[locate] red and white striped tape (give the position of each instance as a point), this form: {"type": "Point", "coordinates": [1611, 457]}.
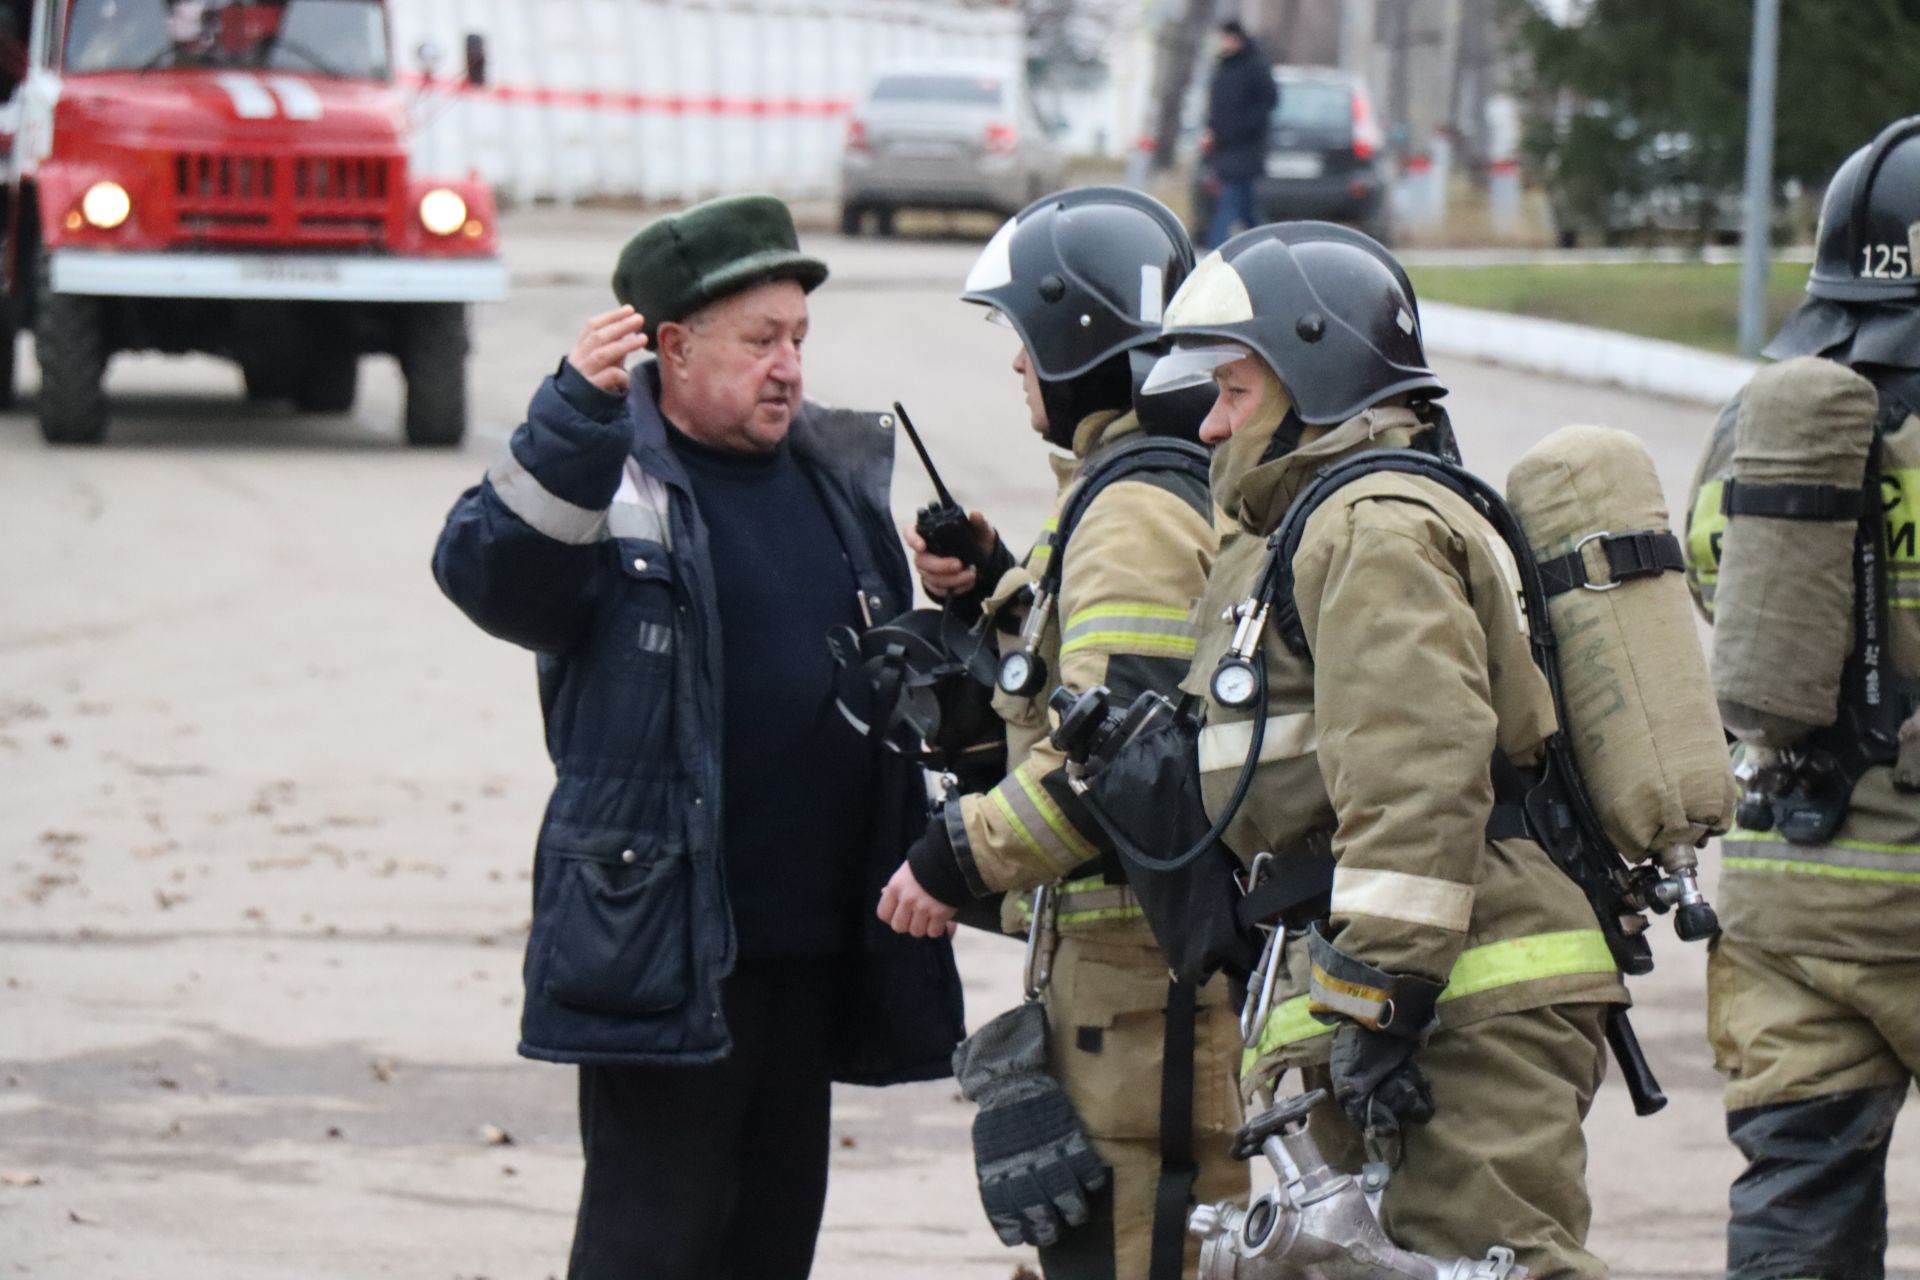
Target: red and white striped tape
{"type": "Point", "coordinates": [633, 103]}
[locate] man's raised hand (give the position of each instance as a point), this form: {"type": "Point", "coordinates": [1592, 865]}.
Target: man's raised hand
{"type": "Point", "coordinates": [605, 346]}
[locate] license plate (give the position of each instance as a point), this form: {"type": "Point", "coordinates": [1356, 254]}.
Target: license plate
{"type": "Point", "coordinates": [290, 270]}
{"type": "Point", "coordinates": [1293, 164]}
{"type": "Point", "coordinates": [924, 150]}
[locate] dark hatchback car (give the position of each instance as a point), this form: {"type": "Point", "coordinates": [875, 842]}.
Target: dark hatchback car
{"type": "Point", "coordinates": [1323, 156]}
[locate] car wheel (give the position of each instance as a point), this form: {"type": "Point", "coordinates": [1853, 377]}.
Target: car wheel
{"type": "Point", "coordinates": [433, 356]}
{"type": "Point", "coordinates": [883, 217]}
{"type": "Point", "coordinates": [851, 216]}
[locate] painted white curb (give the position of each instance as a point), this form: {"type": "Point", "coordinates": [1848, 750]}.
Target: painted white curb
{"type": "Point", "coordinates": [1584, 354]}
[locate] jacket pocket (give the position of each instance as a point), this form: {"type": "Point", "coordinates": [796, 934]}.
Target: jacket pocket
{"type": "Point", "coordinates": [644, 631]}
{"type": "Point", "coordinates": [621, 934]}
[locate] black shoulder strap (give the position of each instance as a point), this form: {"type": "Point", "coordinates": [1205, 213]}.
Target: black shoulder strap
{"type": "Point", "coordinates": [1284, 542]}
{"type": "Point", "coordinates": [1179, 1171]}
{"type": "Point", "coordinates": [1124, 461]}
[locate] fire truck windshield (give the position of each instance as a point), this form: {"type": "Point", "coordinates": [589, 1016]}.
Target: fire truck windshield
{"type": "Point", "coordinates": [346, 39]}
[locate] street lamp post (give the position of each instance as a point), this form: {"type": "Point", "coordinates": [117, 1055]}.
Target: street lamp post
{"type": "Point", "coordinates": [1759, 217]}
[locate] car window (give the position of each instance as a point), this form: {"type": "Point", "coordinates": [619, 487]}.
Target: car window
{"type": "Point", "coordinates": [323, 37]}
{"type": "Point", "coordinates": [1313, 104]}
{"type": "Point", "coordinates": [973, 91]}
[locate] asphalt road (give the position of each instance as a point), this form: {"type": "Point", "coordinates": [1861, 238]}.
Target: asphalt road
{"type": "Point", "coordinates": [267, 801]}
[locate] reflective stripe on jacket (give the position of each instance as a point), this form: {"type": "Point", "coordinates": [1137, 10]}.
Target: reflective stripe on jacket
{"type": "Point", "coordinates": [1133, 567]}
{"type": "Point", "coordinates": [1857, 897]}
{"type": "Point", "coordinates": [1385, 736]}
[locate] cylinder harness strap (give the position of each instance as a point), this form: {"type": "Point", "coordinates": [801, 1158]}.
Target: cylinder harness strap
{"type": "Point", "coordinates": [1646, 553]}
{"type": "Point", "coordinates": [1791, 501]}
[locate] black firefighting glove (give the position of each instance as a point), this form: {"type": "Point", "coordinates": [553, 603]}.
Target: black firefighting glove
{"type": "Point", "coordinates": [1036, 1166]}
{"type": "Point", "coordinates": [1382, 1020]}
{"type": "Point", "coordinates": [1377, 1082]}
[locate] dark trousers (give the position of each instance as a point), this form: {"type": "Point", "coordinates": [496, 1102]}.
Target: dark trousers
{"type": "Point", "coordinates": [1232, 207]}
{"type": "Point", "coordinates": [715, 1172]}
{"type": "Point", "coordinates": [1812, 1200]}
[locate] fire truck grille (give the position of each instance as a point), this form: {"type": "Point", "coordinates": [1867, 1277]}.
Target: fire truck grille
{"type": "Point", "coordinates": [319, 200]}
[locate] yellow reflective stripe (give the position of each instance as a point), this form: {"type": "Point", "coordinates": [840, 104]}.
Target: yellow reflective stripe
{"type": "Point", "coordinates": [1704, 531]}
{"type": "Point", "coordinates": [1839, 859]}
{"type": "Point", "coordinates": [1132, 625]}
{"type": "Point", "coordinates": [1042, 549]}
{"type": "Point", "coordinates": [1071, 838]}
{"type": "Point", "coordinates": [1542, 955]}
{"type": "Point", "coordinates": [1166, 612]}
{"type": "Point", "coordinates": [1071, 889]}
{"type": "Point", "coordinates": [1819, 869]}
{"type": "Point", "coordinates": [1287, 1023]}
{"type": "Point", "coordinates": [1741, 835]}
{"type": "Point", "coordinates": [1013, 819]}
{"type": "Point", "coordinates": [1479, 969]}
{"type": "Point", "coordinates": [1100, 914]}
{"type": "Point", "coordinates": [1044, 826]}
{"type": "Point", "coordinates": [1143, 643]}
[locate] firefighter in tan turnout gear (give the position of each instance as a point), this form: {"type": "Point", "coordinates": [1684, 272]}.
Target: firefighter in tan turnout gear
{"type": "Point", "coordinates": [1802, 550]}
{"type": "Point", "coordinates": [1102, 598]}
{"type": "Point", "coordinates": [1454, 991]}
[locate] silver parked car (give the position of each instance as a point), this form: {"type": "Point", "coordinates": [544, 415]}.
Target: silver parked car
{"type": "Point", "coordinates": [945, 135]}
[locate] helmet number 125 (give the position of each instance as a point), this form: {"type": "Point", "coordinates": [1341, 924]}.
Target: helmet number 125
{"type": "Point", "coordinates": [1886, 262]}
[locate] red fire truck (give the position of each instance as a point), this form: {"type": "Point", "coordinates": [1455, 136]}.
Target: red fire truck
{"type": "Point", "coordinates": [229, 177]}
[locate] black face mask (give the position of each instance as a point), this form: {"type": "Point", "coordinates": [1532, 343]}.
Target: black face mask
{"type": "Point", "coordinates": [1106, 387]}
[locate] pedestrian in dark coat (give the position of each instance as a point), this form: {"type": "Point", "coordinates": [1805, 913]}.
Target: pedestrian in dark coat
{"type": "Point", "coordinates": [674, 543]}
{"type": "Point", "coordinates": [1240, 104]}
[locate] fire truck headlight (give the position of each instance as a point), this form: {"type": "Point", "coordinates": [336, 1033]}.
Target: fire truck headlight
{"type": "Point", "coordinates": [106, 205]}
{"type": "Point", "coordinates": [442, 212]}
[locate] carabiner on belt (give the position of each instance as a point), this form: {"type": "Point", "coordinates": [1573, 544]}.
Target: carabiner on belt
{"type": "Point", "coordinates": [1253, 1013]}
{"type": "Point", "coordinates": [1040, 941]}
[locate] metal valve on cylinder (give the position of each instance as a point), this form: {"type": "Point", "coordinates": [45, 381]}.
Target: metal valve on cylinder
{"type": "Point", "coordinates": [1316, 1223]}
{"type": "Point", "coordinates": [1694, 919]}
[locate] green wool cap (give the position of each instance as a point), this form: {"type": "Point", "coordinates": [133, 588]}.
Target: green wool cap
{"type": "Point", "coordinates": [679, 264]}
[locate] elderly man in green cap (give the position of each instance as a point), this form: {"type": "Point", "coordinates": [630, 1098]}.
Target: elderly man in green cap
{"type": "Point", "coordinates": [673, 541]}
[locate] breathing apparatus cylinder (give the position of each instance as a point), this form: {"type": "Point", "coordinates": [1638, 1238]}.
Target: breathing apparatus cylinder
{"type": "Point", "coordinates": [1642, 722]}
{"type": "Point", "coordinates": [1783, 608]}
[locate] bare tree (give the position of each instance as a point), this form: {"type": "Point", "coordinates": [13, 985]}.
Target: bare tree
{"type": "Point", "coordinates": [1178, 50]}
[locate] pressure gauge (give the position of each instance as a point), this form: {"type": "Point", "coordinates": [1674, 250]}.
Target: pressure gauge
{"type": "Point", "coordinates": [1022, 673]}
{"type": "Point", "coordinates": [1235, 683]}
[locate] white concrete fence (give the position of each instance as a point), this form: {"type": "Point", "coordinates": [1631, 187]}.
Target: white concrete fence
{"type": "Point", "coordinates": [666, 99]}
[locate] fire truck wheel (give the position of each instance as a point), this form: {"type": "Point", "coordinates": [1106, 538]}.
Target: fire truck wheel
{"type": "Point", "coordinates": [266, 381]}
{"type": "Point", "coordinates": [329, 385]}
{"type": "Point", "coordinates": [433, 356]}
{"type": "Point", "coordinates": [73, 363]}
{"type": "Point", "coordinates": [9, 345]}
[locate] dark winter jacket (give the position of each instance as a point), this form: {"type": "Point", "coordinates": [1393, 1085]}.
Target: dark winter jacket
{"type": "Point", "coordinates": [584, 544]}
{"type": "Point", "coordinates": [1240, 107]}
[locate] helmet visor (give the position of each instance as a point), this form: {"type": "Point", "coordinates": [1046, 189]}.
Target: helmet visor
{"type": "Point", "coordinates": [1185, 367]}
